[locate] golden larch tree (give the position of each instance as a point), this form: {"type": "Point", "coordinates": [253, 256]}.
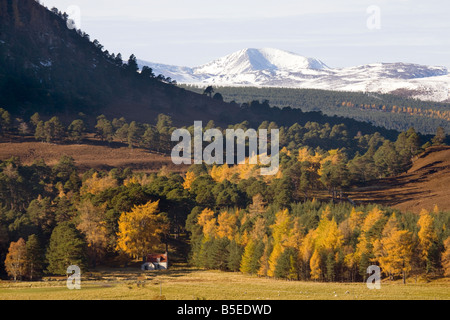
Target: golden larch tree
{"type": "Point", "coordinates": [264, 260]}
{"type": "Point", "coordinates": [394, 251]}
{"type": "Point", "coordinates": [188, 180]}
{"type": "Point", "coordinates": [227, 224]}
{"type": "Point", "coordinates": [366, 239]}
{"type": "Point", "coordinates": [208, 222]}
{"type": "Point", "coordinates": [247, 256]}
{"type": "Point", "coordinates": [306, 251]}
{"type": "Point", "coordinates": [446, 258]}
{"type": "Point", "coordinates": [280, 233]}
{"type": "Point", "coordinates": [96, 184]}
{"type": "Point", "coordinates": [314, 264]}
{"type": "Point", "coordinates": [427, 235]}
{"type": "Point", "coordinates": [141, 229]}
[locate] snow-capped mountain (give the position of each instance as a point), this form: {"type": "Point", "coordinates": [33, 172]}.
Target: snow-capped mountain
{"type": "Point", "coordinates": [254, 60]}
{"type": "Point", "coordinates": [276, 68]}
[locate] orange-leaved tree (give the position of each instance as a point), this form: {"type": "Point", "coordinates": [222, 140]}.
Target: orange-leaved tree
{"type": "Point", "coordinates": [15, 262]}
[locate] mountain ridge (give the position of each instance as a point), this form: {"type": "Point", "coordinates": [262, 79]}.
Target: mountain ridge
{"type": "Point", "coordinates": [270, 67]}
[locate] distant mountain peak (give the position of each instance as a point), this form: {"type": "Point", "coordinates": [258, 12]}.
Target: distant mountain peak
{"type": "Point", "coordinates": [269, 67]}
{"type": "Point", "coordinates": [252, 60]}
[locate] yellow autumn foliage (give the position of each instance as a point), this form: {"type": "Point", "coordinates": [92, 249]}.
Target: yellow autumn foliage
{"type": "Point", "coordinates": [140, 230]}
{"type": "Point", "coordinates": [188, 180]}
{"type": "Point", "coordinates": [96, 184]}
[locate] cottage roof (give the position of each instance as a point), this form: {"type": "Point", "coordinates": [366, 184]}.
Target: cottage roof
{"type": "Point", "coordinates": [157, 258]}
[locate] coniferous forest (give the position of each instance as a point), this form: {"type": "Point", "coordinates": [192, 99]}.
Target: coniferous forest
{"type": "Point", "coordinates": [383, 110]}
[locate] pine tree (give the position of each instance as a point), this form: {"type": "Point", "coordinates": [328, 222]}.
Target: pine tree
{"type": "Point", "coordinates": [76, 130]}
{"type": "Point", "coordinates": [41, 214]}
{"type": "Point", "coordinates": [122, 133]}
{"type": "Point", "coordinates": [330, 266]}
{"type": "Point", "coordinates": [132, 65]}
{"type": "Point", "coordinates": [104, 128]}
{"type": "Point", "coordinates": [219, 255]}
{"type": "Point", "coordinates": [5, 121]}
{"type": "Point", "coordinates": [134, 134]}
{"type": "Point", "coordinates": [67, 247]}
{"type": "Point", "coordinates": [35, 258]}
{"type": "Point", "coordinates": [39, 133]}
{"type": "Point", "coordinates": [53, 130]}
{"type": "Point", "coordinates": [235, 253]}
{"type": "Point", "coordinates": [147, 72]}
{"type": "Point", "coordinates": [35, 119]}
{"type": "Point", "coordinates": [151, 139]}
{"type": "Point", "coordinates": [440, 137]}
{"type": "Point", "coordinates": [287, 266]}
{"type": "Point", "coordinates": [74, 183]}
{"type": "Point", "coordinates": [209, 91]}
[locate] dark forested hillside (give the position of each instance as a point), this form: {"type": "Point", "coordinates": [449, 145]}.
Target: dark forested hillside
{"type": "Point", "coordinates": [49, 68]}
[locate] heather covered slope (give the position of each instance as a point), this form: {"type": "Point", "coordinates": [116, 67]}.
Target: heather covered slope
{"type": "Point", "coordinates": [424, 186]}
{"type": "Point", "coordinates": [90, 155]}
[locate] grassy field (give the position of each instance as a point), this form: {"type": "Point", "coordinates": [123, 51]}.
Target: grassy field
{"type": "Point", "coordinates": [190, 284]}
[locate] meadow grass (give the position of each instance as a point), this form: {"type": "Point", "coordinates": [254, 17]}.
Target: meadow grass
{"type": "Point", "coordinates": [192, 284]}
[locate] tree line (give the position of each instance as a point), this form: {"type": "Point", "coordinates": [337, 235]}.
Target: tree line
{"type": "Point", "coordinates": [384, 110]}
{"type": "Point", "coordinates": [319, 241]}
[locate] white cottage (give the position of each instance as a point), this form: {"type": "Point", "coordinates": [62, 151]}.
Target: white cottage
{"type": "Point", "coordinates": [156, 262]}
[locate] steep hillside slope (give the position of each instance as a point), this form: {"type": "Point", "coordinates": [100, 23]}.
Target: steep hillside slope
{"type": "Point", "coordinates": [425, 185]}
